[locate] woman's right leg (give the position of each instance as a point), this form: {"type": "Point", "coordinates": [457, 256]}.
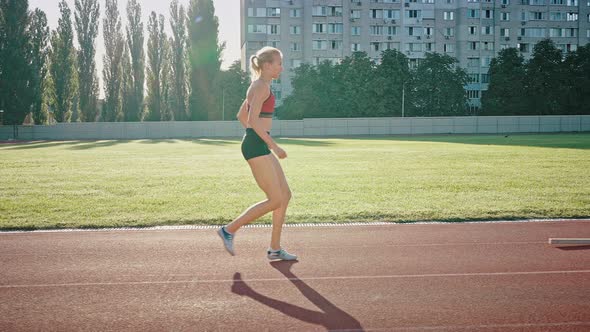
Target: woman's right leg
{"type": "Point", "coordinates": [263, 170]}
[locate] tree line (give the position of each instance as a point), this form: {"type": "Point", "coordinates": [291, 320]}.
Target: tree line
{"type": "Point", "coordinates": [548, 83]}
{"type": "Point", "coordinates": [44, 74]}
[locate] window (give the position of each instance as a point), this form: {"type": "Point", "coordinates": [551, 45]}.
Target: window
{"type": "Point", "coordinates": [391, 14]}
{"type": "Point", "coordinates": [413, 31]}
{"type": "Point", "coordinates": [472, 46]}
{"type": "Point", "coordinates": [376, 13]}
{"type": "Point", "coordinates": [571, 32]}
{"type": "Point", "coordinates": [505, 16]}
{"type": "Point", "coordinates": [335, 28]}
{"type": "Point", "coordinates": [355, 47]}
{"type": "Point", "coordinates": [336, 44]}
{"type": "Point", "coordinates": [533, 32]}
{"type": "Point", "coordinates": [355, 31]}
{"type": "Point", "coordinates": [295, 47]}
{"type": "Point", "coordinates": [375, 46]}
{"type": "Point", "coordinates": [256, 28]}
{"type": "Point", "coordinates": [319, 11]}
{"type": "Point", "coordinates": [274, 29]}
{"type": "Point", "coordinates": [295, 13]}
{"type": "Point", "coordinates": [259, 12]}
{"type": "Point", "coordinates": [556, 16]}
{"type": "Point", "coordinates": [428, 31]}
{"type": "Point", "coordinates": [414, 13]}
{"type": "Point", "coordinates": [554, 32]}
{"type": "Point", "coordinates": [355, 13]}
{"type": "Point", "coordinates": [473, 62]}
{"type": "Point", "coordinates": [505, 2]}
{"type": "Point", "coordinates": [391, 31]}
{"type": "Point", "coordinates": [572, 17]}
{"type": "Point", "coordinates": [295, 63]}
{"type": "Point", "coordinates": [448, 16]}
{"type": "Point", "coordinates": [273, 12]}
{"type": "Point", "coordinates": [449, 48]}
{"type": "Point", "coordinates": [319, 45]}
{"type": "Point", "coordinates": [556, 2]}
{"type": "Point", "coordinates": [295, 30]}
{"type": "Point", "coordinates": [504, 32]}
{"type": "Point", "coordinates": [414, 47]}
{"type": "Point", "coordinates": [573, 3]}
{"type": "Point", "coordinates": [376, 30]}
{"type": "Point", "coordinates": [273, 43]}
{"type": "Point", "coordinates": [473, 30]}
{"type": "Point", "coordinates": [473, 94]}
{"type": "Point", "coordinates": [487, 30]}
{"type": "Point", "coordinates": [488, 13]}
{"type": "Point", "coordinates": [473, 13]}
{"type": "Point", "coordinates": [335, 11]}
{"type": "Point", "coordinates": [449, 32]}
{"type": "Point", "coordinates": [473, 78]}
{"type": "Point", "coordinates": [428, 47]}
{"type": "Point", "coordinates": [537, 16]}
{"type": "Point", "coordinates": [488, 46]}
{"type": "Point", "coordinates": [485, 78]}
{"type": "Point", "coordinates": [318, 28]}
{"type": "Point", "coordinates": [523, 47]}
{"type": "Point", "coordinates": [485, 61]}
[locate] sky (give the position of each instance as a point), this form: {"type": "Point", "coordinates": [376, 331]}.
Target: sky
{"type": "Point", "coordinates": [228, 12]}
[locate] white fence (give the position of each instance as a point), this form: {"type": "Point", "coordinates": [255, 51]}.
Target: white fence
{"type": "Point", "coordinates": [303, 128]}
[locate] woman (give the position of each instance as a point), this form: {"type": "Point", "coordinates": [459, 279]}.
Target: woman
{"type": "Point", "coordinates": [256, 116]}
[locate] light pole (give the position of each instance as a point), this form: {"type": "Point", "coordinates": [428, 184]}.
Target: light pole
{"type": "Point", "coordinates": [223, 104]}
{"type": "Point", "coordinates": [403, 97]}
{"type": "Point", "coordinates": [1, 117]}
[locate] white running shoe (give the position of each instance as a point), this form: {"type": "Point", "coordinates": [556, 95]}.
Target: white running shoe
{"type": "Point", "coordinates": [281, 254]}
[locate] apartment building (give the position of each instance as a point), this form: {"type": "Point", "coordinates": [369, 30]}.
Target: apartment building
{"type": "Point", "coordinates": [473, 31]}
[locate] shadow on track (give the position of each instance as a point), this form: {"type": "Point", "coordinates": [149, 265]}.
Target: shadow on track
{"type": "Point", "coordinates": [331, 317]}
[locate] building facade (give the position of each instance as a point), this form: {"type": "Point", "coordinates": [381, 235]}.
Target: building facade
{"type": "Point", "coordinates": [473, 31]}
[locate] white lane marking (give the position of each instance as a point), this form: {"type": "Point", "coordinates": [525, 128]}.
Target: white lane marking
{"type": "Point", "coordinates": [471, 327]}
{"type": "Point", "coordinates": [450, 244]}
{"type": "Point", "coordinates": [199, 227]}
{"type": "Point", "coordinates": [204, 281]}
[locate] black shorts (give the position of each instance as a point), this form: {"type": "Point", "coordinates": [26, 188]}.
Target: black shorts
{"type": "Point", "coordinates": [253, 146]}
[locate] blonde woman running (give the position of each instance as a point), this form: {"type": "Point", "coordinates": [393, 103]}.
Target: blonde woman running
{"type": "Point", "coordinates": [256, 116]}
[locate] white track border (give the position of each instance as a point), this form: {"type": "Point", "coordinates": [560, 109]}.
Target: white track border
{"type": "Point", "coordinates": [352, 224]}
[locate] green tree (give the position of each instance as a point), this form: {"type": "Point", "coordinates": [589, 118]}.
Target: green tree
{"type": "Point", "coordinates": [156, 56]}
{"type": "Point", "coordinates": [357, 74]}
{"type": "Point", "coordinates": [135, 46]}
{"type": "Point", "coordinates": [39, 33]}
{"type": "Point", "coordinates": [303, 96]}
{"type": "Point", "coordinates": [230, 92]}
{"type": "Point", "coordinates": [15, 65]}
{"type": "Point", "coordinates": [438, 87]}
{"type": "Point", "coordinates": [86, 18]}
{"type": "Point", "coordinates": [62, 65]}
{"type": "Point", "coordinates": [112, 76]}
{"type": "Point", "coordinates": [506, 89]}
{"type": "Point", "coordinates": [577, 82]}
{"type": "Point", "coordinates": [127, 91]}
{"type": "Point", "coordinates": [392, 77]}
{"type": "Point", "coordinates": [205, 59]}
{"type": "Point", "coordinates": [544, 79]}
{"type": "Point", "coordinates": [179, 90]}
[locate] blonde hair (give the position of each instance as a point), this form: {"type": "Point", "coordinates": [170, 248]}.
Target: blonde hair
{"type": "Point", "coordinates": [264, 55]}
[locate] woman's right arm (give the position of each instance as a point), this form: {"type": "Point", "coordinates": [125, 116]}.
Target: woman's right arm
{"type": "Point", "coordinates": [242, 114]}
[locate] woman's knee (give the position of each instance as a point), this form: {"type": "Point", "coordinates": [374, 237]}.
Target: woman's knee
{"type": "Point", "coordinates": [275, 202]}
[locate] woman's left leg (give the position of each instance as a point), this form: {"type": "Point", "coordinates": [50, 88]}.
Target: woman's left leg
{"type": "Point", "coordinates": [278, 215]}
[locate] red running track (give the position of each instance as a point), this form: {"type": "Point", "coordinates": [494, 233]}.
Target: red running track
{"type": "Point", "coordinates": [416, 277]}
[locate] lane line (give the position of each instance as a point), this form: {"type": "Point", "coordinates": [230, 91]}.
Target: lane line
{"type": "Point", "coordinates": [352, 224]}
{"type": "Point", "coordinates": [209, 281]}
{"type": "Point", "coordinates": [450, 244]}
{"type": "Point", "coordinates": [472, 327]}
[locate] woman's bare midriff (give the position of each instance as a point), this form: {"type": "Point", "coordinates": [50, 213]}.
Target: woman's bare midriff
{"type": "Point", "coordinates": [266, 123]}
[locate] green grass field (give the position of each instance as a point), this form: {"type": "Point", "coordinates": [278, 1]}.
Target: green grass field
{"type": "Point", "coordinates": [79, 184]}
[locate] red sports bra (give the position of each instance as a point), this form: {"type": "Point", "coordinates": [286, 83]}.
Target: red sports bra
{"type": "Point", "coordinates": [268, 107]}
